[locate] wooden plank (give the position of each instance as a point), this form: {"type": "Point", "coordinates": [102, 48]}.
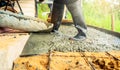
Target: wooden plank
{"type": "Point", "coordinates": [11, 45]}
{"type": "Point", "coordinates": [63, 21]}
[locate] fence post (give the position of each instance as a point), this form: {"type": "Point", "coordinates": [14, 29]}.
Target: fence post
{"type": "Point", "coordinates": [112, 22]}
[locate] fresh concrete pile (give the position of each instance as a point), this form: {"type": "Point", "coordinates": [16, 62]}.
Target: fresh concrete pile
{"type": "Point", "coordinates": [24, 23]}
{"type": "Point", "coordinates": [97, 41]}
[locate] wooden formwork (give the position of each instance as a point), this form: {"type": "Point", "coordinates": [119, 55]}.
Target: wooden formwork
{"type": "Point", "coordinates": [11, 46]}
{"type": "Point", "coordinates": [63, 21]}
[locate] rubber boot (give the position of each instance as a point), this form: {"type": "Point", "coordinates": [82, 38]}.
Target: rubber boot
{"type": "Point", "coordinates": [57, 14]}
{"type": "Point", "coordinates": [78, 20]}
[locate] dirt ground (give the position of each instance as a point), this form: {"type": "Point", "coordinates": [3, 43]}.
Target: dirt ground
{"type": "Point", "coordinates": [96, 41]}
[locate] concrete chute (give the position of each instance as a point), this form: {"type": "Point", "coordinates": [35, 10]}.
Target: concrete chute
{"type": "Point", "coordinates": [24, 23]}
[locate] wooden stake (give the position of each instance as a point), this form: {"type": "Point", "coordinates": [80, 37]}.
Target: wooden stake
{"type": "Point", "coordinates": [112, 22]}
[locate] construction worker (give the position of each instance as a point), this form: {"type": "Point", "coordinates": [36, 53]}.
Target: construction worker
{"type": "Point", "coordinates": [74, 6]}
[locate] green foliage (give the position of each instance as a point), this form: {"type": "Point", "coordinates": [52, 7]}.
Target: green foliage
{"type": "Point", "coordinates": [117, 23]}
{"type": "Point", "coordinates": [98, 13]}
{"type": "Point", "coordinates": [43, 11]}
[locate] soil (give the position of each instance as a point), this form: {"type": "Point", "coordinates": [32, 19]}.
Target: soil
{"type": "Point", "coordinates": [68, 61]}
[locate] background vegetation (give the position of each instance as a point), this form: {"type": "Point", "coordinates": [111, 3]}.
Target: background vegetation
{"type": "Point", "coordinates": [100, 13]}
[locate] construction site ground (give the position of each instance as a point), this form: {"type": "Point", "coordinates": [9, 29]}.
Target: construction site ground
{"type": "Point", "coordinates": [70, 61]}
{"type": "Point", "coordinates": [97, 41]}
{"type": "Point", "coordinates": [54, 51]}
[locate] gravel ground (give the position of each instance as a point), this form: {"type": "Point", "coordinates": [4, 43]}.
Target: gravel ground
{"type": "Point", "coordinates": [96, 41]}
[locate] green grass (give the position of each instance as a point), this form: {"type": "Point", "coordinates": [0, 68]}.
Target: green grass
{"type": "Point", "coordinates": [117, 25]}
{"type": "Point", "coordinates": [99, 22]}
{"type": "Point", "coordinates": [103, 22]}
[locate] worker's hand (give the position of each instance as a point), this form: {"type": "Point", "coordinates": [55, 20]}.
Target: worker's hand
{"type": "Point", "coordinates": [41, 0]}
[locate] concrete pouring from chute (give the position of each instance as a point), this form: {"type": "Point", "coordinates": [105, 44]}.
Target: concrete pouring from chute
{"type": "Point", "coordinates": [24, 23]}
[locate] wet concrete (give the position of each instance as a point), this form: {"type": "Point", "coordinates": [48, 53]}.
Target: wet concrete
{"type": "Point", "coordinates": [97, 41]}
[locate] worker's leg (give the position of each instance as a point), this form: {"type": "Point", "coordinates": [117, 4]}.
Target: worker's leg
{"type": "Point", "coordinates": [50, 5]}
{"type": "Point", "coordinates": [78, 19]}
{"type": "Point", "coordinates": [57, 14]}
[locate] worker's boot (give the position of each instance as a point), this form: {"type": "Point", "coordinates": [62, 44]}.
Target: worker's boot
{"type": "Point", "coordinates": [57, 14]}
{"type": "Point", "coordinates": [78, 19]}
